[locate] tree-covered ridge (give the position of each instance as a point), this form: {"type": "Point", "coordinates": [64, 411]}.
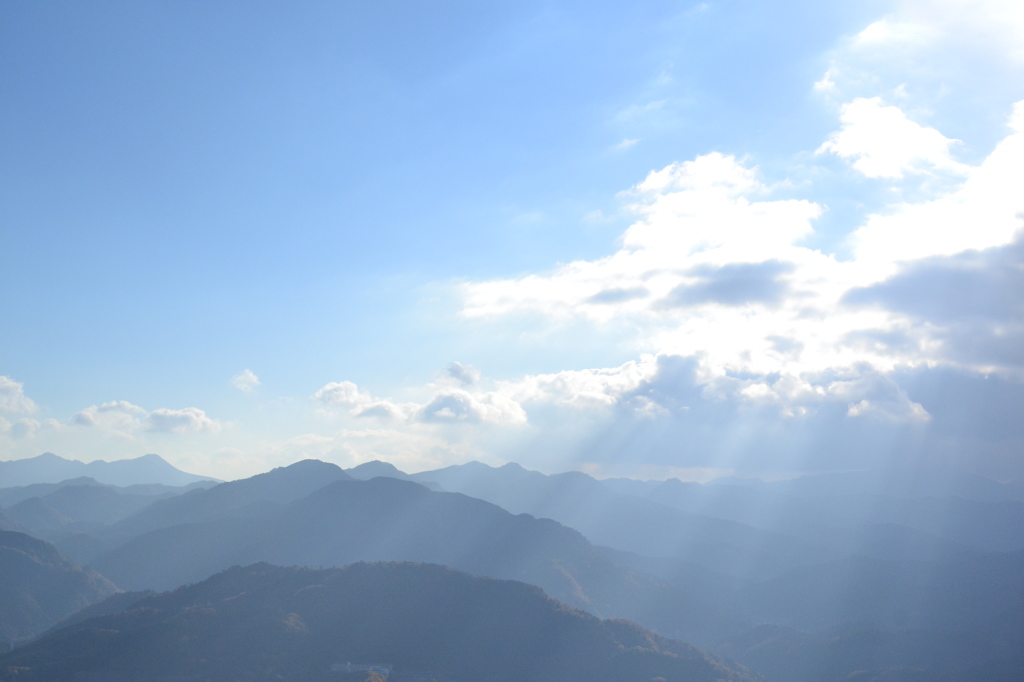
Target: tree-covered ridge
{"type": "Point", "coordinates": [267, 623]}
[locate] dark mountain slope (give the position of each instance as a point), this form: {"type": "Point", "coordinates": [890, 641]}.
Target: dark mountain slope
{"type": "Point", "coordinates": [38, 586]}
{"type": "Point", "coordinates": [37, 517]}
{"type": "Point", "coordinates": [267, 623]}
{"type": "Point", "coordinates": [390, 520]}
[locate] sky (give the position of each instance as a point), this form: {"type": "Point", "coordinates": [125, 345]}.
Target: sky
{"type": "Point", "coordinates": [633, 239]}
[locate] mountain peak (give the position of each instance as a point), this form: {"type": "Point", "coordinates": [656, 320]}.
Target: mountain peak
{"type": "Point", "coordinates": [374, 469]}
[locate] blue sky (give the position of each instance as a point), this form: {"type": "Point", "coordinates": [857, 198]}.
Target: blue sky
{"type": "Point", "coordinates": [668, 239]}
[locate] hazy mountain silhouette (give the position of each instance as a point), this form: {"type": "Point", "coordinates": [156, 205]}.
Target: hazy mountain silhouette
{"type": "Point", "coordinates": [80, 507]}
{"type": "Point", "coordinates": [850, 581]}
{"type": "Point", "coordinates": [71, 514]}
{"type": "Point", "coordinates": [377, 468]}
{"type": "Point", "coordinates": [268, 623]}
{"type": "Point", "coordinates": [876, 563]}
{"type": "Point", "coordinates": [368, 470]}
{"type": "Point", "coordinates": [957, 595]}
{"type": "Point", "coordinates": [49, 468]}
{"type": "Point", "coordinates": [858, 523]}
{"type": "Point", "coordinates": [989, 654]}
{"type": "Point", "coordinates": [14, 495]}
{"type": "Point", "coordinates": [629, 523]}
{"type": "Point", "coordinates": [248, 497]}
{"type": "Point", "coordinates": [38, 586]}
{"type": "Point", "coordinates": [933, 480]}
{"type": "Point", "coordinates": [386, 519]}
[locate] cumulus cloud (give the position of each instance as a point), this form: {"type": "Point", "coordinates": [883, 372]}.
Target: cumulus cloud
{"type": "Point", "coordinates": [447, 405]}
{"type": "Point", "coordinates": [246, 381]}
{"type": "Point", "coordinates": [732, 285]}
{"type": "Point", "coordinates": [581, 388]}
{"type": "Point", "coordinates": [996, 25]}
{"type": "Point", "coordinates": [695, 218]}
{"type": "Point", "coordinates": [124, 419]}
{"type": "Point", "coordinates": [715, 268]}
{"type": "Point", "coordinates": [466, 375]}
{"type": "Point", "coordinates": [970, 304]}
{"type": "Point", "coordinates": [118, 416]}
{"type": "Point", "coordinates": [186, 420]}
{"type": "Point", "coordinates": [25, 427]}
{"type": "Point", "coordinates": [13, 399]}
{"type": "Point", "coordinates": [757, 343]}
{"type": "Point", "coordinates": [455, 406]}
{"type": "Point", "coordinates": [343, 393]}
{"type": "Point", "coordinates": [346, 394]}
{"type": "Point", "coordinates": [882, 142]}
{"type": "Point", "coordinates": [985, 211]}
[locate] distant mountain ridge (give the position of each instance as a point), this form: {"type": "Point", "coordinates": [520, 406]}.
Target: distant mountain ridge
{"type": "Point", "coordinates": [627, 522]}
{"type": "Point", "coordinates": [50, 468]}
{"type": "Point", "coordinates": [12, 496]}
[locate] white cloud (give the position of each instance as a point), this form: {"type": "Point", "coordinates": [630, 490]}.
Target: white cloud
{"type": "Point", "coordinates": [186, 420]}
{"type": "Point", "coordinates": [582, 388]}
{"type": "Point", "coordinates": [447, 405]}
{"type": "Point", "coordinates": [693, 215]}
{"type": "Point", "coordinates": [714, 270]}
{"type": "Point", "coordinates": [892, 32]}
{"type": "Point", "coordinates": [458, 406]}
{"type": "Point", "coordinates": [996, 25]}
{"type": "Point", "coordinates": [118, 417]}
{"type": "Point", "coordinates": [246, 381]}
{"type": "Point", "coordinates": [25, 427]}
{"type": "Point", "coordinates": [346, 394]}
{"type": "Point", "coordinates": [466, 375]}
{"type": "Point", "coordinates": [13, 399]}
{"type": "Point", "coordinates": [985, 211]}
{"type": "Point", "coordinates": [883, 143]}
{"type": "Point", "coordinates": [826, 84]}
{"type": "Point", "coordinates": [124, 419]}
{"type": "Point", "coordinates": [343, 393]}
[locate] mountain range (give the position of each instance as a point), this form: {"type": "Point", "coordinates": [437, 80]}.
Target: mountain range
{"type": "Point", "coordinates": [812, 580]}
{"type": "Point", "coordinates": [185, 539]}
